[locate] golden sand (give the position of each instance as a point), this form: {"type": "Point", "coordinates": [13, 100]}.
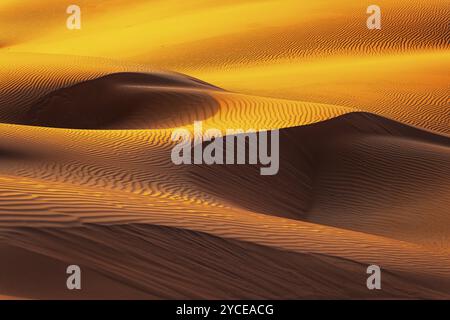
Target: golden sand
{"type": "Point", "coordinates": [364, 125]}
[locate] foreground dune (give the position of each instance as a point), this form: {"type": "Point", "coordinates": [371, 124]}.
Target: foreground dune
{"type": "Point", "coordinates": [162, 262]}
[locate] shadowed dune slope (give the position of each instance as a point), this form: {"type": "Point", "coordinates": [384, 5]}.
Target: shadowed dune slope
{"type": "Point", "coordinates": [357, 171]}
{"type": "Point", "coordinates": [125, 101]}
{"type": "Point", "coordinates": [141, 262]}
{"type": "Point", "coordinates": [25, 77]}
{"type": "Point", "coordinates": [257, 31]}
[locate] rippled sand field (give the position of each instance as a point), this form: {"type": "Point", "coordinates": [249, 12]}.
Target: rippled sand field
{"type": "Point", "coordinates": [86, 176]}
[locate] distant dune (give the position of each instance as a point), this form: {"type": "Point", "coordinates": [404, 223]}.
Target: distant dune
{"type": "Point", "coordinates": [86, 175]}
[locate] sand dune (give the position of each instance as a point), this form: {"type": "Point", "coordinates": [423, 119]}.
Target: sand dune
{"type": "Point", "coordinates": [64, 194]}
{"type": "Point", "coordinates": [357, 171]}
{"type": "Point", "coordinates": [27, 77]}
{"type": "Point", "coordinates": [125, 101]}
{"type": "Point", "coordinates": [302, 51]}
{"type": "Point", "coordinates": [30, 80]}
{"type": "Point", "coordinates": [407, 87]}
{"type": "Point", "coordinates": [59, 185]}
{"type": "Point", "coordinates": [86, 177]}
{"type": "Point", "coordinates": [199, 266]}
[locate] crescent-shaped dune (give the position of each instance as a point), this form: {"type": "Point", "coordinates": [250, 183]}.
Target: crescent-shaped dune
{"type": "Point", "coordinates": [125, 101]}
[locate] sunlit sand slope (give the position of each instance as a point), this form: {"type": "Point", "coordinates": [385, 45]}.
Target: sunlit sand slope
{"type": "Point", "coordinates": [410, 87]}
{"type": "Point", "coordinates": [357, 171]}
{"type": "Point", "coordinates": [237, 32]}
{"type": "Point", "coordinates": [319, 51]}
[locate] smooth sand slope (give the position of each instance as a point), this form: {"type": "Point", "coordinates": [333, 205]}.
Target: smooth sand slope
{"type": "Point", "coordinates": [86, 176]}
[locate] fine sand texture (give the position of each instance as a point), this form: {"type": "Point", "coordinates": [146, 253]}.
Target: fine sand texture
{"type": "Point", "coordinates": [86, 176]}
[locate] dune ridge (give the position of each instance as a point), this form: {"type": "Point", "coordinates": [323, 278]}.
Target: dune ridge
{"type": "Point", "coordinates": [58, 184]}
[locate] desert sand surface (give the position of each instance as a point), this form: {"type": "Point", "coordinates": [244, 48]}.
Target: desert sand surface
{"type": "Point", "coordinates": [86, 177]}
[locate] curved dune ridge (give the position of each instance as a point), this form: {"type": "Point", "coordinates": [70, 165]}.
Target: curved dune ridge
{"type": "Point", "coordinates": [26, 78]}
{"type": "Point", "coordinates": [125, 101]}
{"type": "Point", "coordinates": [358, 171]}
{"type": "Point", "coordinates": [164, 100]}
{"type": "Point", "coordinates": [86, 177]}
{"type": "Point", "coordinates": [408, 87]}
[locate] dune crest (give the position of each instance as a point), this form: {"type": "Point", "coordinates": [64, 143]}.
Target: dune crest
{"type": "Point", "coordinates": [125, 101]}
